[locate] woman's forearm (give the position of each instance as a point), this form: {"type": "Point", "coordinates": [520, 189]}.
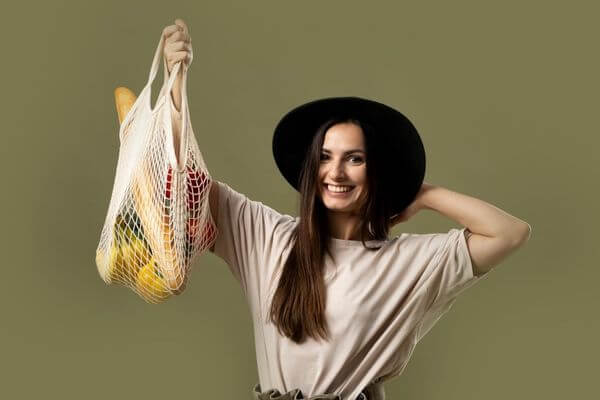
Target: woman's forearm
{"type": "Point", "coordinates": [176, 89]}
{"type": "Point", "coordinates": [176, 125]}
{"type": "Point", "coordinates": [477, 215]}
{"type": "Point", "coordinates": [176, 100]}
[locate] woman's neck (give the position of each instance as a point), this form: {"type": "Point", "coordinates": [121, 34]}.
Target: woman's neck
{"type": "Point", "coordinates": [343, 225]}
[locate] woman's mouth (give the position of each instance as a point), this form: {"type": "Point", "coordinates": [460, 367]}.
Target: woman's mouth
{"type": "Point", "coordinates": [338, 190]}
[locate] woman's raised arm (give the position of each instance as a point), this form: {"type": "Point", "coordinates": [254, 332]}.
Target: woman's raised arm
{"type": "Point", "coordinates": [178, 48]}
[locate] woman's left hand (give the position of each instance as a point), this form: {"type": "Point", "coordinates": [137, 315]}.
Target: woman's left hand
{"type": "Point", "coordinates": [413, 207]}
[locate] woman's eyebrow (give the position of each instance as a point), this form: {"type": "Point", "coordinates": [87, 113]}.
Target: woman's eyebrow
{"type": "Point", "coordinates": [346, 152]}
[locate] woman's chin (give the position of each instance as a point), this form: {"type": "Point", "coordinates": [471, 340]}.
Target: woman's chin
{"type": "Point", "coordinates": [338, 206]}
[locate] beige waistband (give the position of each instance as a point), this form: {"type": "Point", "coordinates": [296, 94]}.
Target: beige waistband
{"type": "Point", "coordinates": [373, 391]}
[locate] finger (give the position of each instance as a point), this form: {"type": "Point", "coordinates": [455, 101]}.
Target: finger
{"type": "Point", "coordinates": [178, 36]}
{"type": "Point", "coordinates": [173, 35]}
{"type": "Point", "coordinates": [169, 30]}
{"type": "Point", "coordinates": [181, 23]}
{"type": "Point", "coordinates": [179, 56]}
{"type": "Point", "coordinates": [176, 60]}
{"type": "Point", "coordinates": [181, 32]}
{"type": "Point", "coordinates": [181, 36]}
{"type": "Point", "coordinates": [180, 46]}
{"type": "Point", "coordinates": [186, 30]}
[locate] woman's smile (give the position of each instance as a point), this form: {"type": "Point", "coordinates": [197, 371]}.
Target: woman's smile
{"type": "Point", "coordinates": [338, 190]}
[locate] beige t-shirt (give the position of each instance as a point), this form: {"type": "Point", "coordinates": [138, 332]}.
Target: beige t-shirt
{"type": "Point", "coordinates": [379, 303]}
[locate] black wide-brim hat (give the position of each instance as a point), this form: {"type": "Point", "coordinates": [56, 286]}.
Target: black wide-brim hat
{"type": "Point", "coordinates": [402, 151]}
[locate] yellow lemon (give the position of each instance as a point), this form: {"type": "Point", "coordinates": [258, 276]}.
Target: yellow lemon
{"type": "Point", "coordinates": [150, 286]}
{"type": "Point", "coordinates": [134, 256]}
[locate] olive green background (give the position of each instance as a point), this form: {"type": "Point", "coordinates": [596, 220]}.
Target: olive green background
{"type": "Point", "coordinates": [504, 94]}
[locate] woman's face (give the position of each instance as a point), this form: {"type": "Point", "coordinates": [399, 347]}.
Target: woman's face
{"type": "Point", "coordinates": [343, 168]}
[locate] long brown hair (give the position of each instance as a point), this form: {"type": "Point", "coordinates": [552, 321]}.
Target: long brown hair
{"type": "Point", "coordinates": [298, 306]}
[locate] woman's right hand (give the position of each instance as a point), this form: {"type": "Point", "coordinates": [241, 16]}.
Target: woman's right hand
{"type": "Point", "coordinates": [412, 208]}
{"type": "Point", "coordinates": [177, 45]}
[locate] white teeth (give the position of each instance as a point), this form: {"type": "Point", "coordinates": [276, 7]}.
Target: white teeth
{"type": "Point", "coordinates": [339, 189]}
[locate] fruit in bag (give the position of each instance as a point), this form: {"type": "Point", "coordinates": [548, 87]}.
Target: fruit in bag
{"type": "Point", "coordinates": [161, 240]}
{"type": "Point", "coordinates": [150, 232]}
{"type": "Point", "coordinates": [137, 253]}
{"type": "Point", "coordinates": [150, 283]}
{"type": "Point", "coordinates": [143, 254]}
{"type": "Point", "coordinates": [134, 256]}
{"type": "Point", "coordinates": [197, 184]}
{"type": "Point", "coordinates": [114, 259]}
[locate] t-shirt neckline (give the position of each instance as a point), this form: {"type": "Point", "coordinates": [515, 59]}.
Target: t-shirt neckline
{"type": "Point", "coordinates": [354, 243]}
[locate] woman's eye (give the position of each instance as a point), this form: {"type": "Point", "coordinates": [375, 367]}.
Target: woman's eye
{"type": "Point", "coordinates": [355, 159]}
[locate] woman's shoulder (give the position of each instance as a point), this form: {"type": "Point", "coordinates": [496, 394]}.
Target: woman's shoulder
{"type": "Point", "coordinates": [247, 225]}
{"type": "Point", "coordinates": [233, 198]}
{"type": "Point", "coordinates": [430, 240]}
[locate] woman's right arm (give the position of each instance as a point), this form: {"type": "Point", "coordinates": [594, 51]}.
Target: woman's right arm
{"type": "Point", "coordinates": [178, 48]}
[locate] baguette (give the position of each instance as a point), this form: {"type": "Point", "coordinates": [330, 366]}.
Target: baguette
{"type": "Point", "coordinates": [124, 99]}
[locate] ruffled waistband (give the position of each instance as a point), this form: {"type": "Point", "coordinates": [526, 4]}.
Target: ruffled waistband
{"type": "Point", "coordinates": [374, 391]}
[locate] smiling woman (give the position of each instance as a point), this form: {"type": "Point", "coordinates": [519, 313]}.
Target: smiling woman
{"type": "Point", "coordinates": [330, 284]}
{"type": "Point", "coordinates": [337, 305]}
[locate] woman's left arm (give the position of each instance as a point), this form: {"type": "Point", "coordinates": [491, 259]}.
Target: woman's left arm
{"type": "Point", "coordinates": [495, 233]}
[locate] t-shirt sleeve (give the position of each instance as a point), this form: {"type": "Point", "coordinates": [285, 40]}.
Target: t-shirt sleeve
{"type": "Point", "coordinates": [246, 232]}
{"type": "Point", "coordinates": [451, 274]}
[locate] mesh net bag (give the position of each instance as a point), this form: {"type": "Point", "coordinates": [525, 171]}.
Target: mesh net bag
{"type": "Point", "coordinates": [158, 218]}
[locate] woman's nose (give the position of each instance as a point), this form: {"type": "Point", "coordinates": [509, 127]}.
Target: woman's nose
{"type": "Point", "coordinates": [338, 170]}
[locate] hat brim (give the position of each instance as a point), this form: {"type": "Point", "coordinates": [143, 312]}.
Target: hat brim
{"type": "Point", "coordinates": [403, 151]}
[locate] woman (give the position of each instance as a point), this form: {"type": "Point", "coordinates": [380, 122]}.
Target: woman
{"type": "Point", "coordinates": [337, 306]}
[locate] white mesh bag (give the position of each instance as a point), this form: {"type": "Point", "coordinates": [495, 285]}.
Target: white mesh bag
{"type": "Point", "coordinates": [158, 218]}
